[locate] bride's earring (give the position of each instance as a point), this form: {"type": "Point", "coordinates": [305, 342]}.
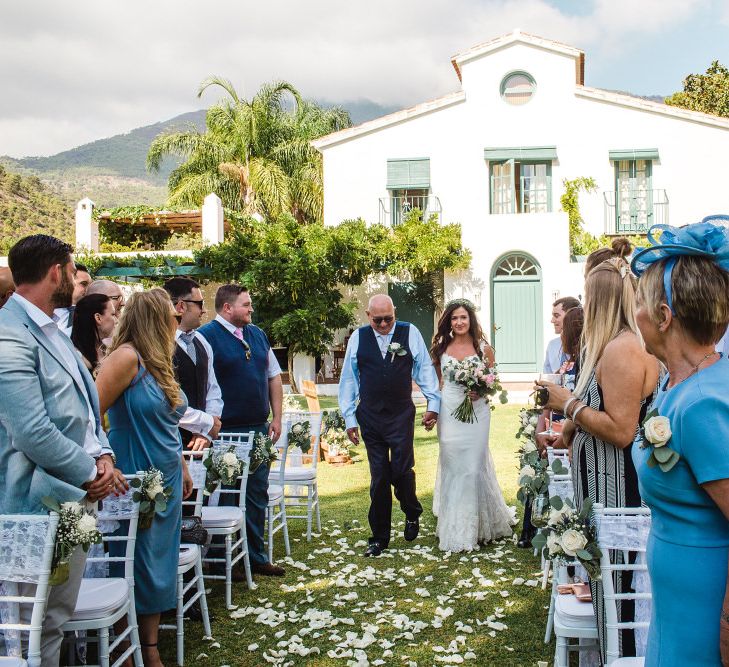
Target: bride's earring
{"type": "Point", "coordinates": [451, 333]}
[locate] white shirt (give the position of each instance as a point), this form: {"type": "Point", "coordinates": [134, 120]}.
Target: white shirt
{"type": "Point", "coordinates": [91, 443]}
{"type": "Point", "coordinates": [61, 317]}
{"type": "Point", "coordinates": [273, 366]}
{"type": "Point", "coordinates": [199, 421]}
{"type": "Point", "coordinates": [555, 357]}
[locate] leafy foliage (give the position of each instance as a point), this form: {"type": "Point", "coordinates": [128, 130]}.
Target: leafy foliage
{"type": "Point", "coordinates": [708, 93]}
{"type": "Point", "coordinates": [580, 240]}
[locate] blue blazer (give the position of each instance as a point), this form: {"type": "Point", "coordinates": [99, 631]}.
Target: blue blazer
{"type": "Point", "coordinates": [43, 418]}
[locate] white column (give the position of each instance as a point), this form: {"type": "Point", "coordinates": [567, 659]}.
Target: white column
{"type": "Point", "coordinates": [212, 220]}
{"type": "Point", "coordinates": [304, 368]}
{"type": "Point", "coordinates": [87, 229]}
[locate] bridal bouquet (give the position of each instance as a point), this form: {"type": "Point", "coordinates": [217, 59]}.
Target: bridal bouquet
{"type": "Point", "coordinates": [151, 494]}
{"type": "Point", "coordinates": [76, 527]}
{"type": "Point", "coordinates": [300, 436]}
{"type": "Point", "coordinates": [570, 535]}
{"type": "Point", "coordinates": [473, 374]}
{"type": "Point", "coordinates": [223, 467]}
{"type": "Point", "coordinates": [264, 451]}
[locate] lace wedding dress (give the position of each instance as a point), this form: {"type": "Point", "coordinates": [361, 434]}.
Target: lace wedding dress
{"type": "Point", "coordinates": [467, 500]}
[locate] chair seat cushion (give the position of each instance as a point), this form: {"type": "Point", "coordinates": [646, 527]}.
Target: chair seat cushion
{"type": "Point", "coordinates": [628, 662]}
{"type": "Point", "coordinates": [98, 598]}
{"type": "Point", "coordinates": [12, 662]}
{"type": "Point", "coordinates": [570, 611]}
{"type": "Point", "coordinates": [221, 517]}
{"type": "Point", "coordinates": [295, 473]}
{"type": "Point", "coordinates": [188, 554]}
{"type": "Point", "coordinates": [275, 492]}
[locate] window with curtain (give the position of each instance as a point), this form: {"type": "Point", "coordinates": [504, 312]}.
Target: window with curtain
{"type": "Point", "coordinates": [521, 187]}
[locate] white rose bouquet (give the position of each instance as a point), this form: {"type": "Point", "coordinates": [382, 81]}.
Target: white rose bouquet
{"type": "Point", "coordinates": [76, 527]}
{"type": "Point", "coordinates": [223, 467]}
{"type": "Point", "coordinates": [570, 535]}
{"type": "Point", "coordinates": [151, 494]}
{"type": "Point", "coordinates": [655, 432]}
{"type": "Point", "coordinates": [264, 451]}
{"type": "Point", "coordinates": [337, 442]}
{"type": "Point", "coordinates": [473, 374]}
{"type": "Point", "coordinates": [300, 436]}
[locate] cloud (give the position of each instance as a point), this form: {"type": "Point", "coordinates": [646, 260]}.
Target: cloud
{"type": "Point", "coordinates": [74, 72]}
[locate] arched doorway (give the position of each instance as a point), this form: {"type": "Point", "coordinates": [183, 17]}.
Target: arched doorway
{"type": "Point", "coordinates": [516, 312]}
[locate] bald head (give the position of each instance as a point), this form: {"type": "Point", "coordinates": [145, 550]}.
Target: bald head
{"type": "Point", "coordinates": [7, 286]}
{"type": "Point", "coordinates": [381, 313]}
{"type": "Point", "coordinates": [108, 288]}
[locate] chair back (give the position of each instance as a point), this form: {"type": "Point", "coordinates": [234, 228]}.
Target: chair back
{"type": "Point", "coordinates": [561, 485]}
{"type": "Point", "coordinates": [26, 553]}
{"type": "Point", "coordinates": [560, 454]}
{"type": "Point", "coordinates": [243, 443]}
{"type": "Point", "coordinates": [311, 394]}
{"type": "Point", "coordinates": [198, 472]}
{"type": "Point", "coordinates": [310, 459]}
{"type": "Point", "coordinates": [621, 530]}
{"type": "Point", "coordinates": [278, 474]}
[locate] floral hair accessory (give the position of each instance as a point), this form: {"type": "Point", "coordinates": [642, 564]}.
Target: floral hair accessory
{"type": "Point", "coordinates": [701, 239]}
{"type": "Point", "coordinates": [461, 303]}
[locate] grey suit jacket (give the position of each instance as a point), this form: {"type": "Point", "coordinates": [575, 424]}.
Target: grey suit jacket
{"type": "Point", "coordinates": [43, 418]}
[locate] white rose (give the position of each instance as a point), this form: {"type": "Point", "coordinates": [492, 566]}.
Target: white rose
{"type": "Point", "coordinates": [72, 507]}
{"type": "Point", "coordinates": [529, 430]}
{"type": "Point", "coordinates": [86, 524]}
{"type": "Point", "coordinates": [529, 447]}
{"type": "Point", "coordinates": [230, 459]}
{"type": "Point", "coordinates": [527, 471]}
{"type": "Point", "coordinates": [154, 489]}
{"type": "Point", "coordinates": [572, 541]}
{"type": "Point", "coordinates": [553, 544]}
{"type": "Point", "coordinates": [394, 347]}
{"type": "Point", "coordinates": [297, 429]}
{"type": "Point", "coordinates": [556, 516]}
{"type": "Point", "coordinates": [534, 420]}
{"type": "Point", "coordinates": [658, 431]}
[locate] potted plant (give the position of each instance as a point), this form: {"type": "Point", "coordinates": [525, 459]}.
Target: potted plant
{"type": "Point", "coordinates": [335, 444]}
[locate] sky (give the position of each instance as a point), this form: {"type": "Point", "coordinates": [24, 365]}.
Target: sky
{"type": "Point", "coordinates": [72, 72]}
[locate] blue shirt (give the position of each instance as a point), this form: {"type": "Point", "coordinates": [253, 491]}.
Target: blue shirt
{"type": "Point", "coordinates": [423, 372]}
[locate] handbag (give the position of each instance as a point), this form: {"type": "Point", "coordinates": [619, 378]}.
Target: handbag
{"type": "Point", "coordinates": [192, 531]}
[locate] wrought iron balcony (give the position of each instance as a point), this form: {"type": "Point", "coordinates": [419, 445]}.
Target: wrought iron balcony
{"type": "Point", "coordinates": [393, 210]}
{"type": "Point", "coordinates": [634, 211]}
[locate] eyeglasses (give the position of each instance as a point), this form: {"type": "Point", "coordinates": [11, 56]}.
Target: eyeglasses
{"type": "Point", "coordinates": [200, 304]}
{"type": "Point", "coordinates": [387, 319]}
{"type": "Point", "coordinates": [118, 297]}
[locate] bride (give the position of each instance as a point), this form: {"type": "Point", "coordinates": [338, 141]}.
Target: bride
{"type": "Point", "coordinates": [467, 500]}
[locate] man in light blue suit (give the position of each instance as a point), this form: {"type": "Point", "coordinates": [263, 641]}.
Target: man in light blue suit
{"type": "Point", "coordinates": [51, 439]}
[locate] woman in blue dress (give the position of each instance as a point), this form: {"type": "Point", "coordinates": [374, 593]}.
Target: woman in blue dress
{"type": "Point", "coordinates": [683, 310]}
{"type": "Point", "coordinates": [138, 388]}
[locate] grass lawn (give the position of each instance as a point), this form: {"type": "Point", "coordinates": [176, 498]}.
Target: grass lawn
{"type": "Point", "coordinates": [414, 606]}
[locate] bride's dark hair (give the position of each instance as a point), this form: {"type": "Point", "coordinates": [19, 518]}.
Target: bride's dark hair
{"type": "Point", "coordinates": [442, 336]}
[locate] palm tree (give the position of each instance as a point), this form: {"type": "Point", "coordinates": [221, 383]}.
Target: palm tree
{"type": "Point", "coordinates": [254, 155]}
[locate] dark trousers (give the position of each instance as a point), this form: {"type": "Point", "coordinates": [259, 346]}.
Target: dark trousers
{"type": "Point", "coordinates": [527, 530]}
{"type": "Point", "coordinates": [388, 438]}
{"type": "Point", "coordinates": [256, 503]}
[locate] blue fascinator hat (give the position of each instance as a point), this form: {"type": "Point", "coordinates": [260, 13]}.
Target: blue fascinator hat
{"type": "Point", "coordinates": [708, 238]}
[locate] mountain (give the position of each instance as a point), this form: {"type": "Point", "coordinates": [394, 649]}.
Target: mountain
{"type": "Point", "coordinates": [112, 171]}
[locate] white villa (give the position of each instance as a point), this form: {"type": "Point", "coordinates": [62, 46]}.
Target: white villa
{"type": "Point", "coordinates": [493, 155]}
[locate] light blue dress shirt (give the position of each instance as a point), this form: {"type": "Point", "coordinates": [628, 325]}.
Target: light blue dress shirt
{"type": "Point", "coordinates": [423, 372]}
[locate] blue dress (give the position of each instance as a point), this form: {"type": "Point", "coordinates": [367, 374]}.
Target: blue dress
{"type": "Point", "coordinates": [688, 546]}
{"type": "Point", "coordinates": [143, 433]}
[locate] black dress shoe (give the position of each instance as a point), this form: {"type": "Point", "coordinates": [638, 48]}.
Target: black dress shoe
{"type": "Point", "coordinates": [412, 528]}
{"type": "Point", "coordinates": [268, 570]}
{"type": "Point", "coordinates": [524, 543]}
{"type": "Point", "coordinates": [194, 613]}
{"type": "Point", "coordinates": [374, 549]}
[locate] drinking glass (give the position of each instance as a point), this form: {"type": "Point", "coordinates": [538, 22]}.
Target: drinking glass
{"type": "Point", "coordinates": [540, 510]}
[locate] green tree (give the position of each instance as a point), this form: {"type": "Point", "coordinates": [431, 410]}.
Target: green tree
{"type": "Point", "coordinates": [255, 155]}
{"type": "Point", "coordinates": [708, 93]}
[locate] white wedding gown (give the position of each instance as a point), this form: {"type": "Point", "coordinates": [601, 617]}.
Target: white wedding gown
{"type": "Point", "coordinates": [467, 500]}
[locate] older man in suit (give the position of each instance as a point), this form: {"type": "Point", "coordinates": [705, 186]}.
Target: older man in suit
{"type": "Point", "coordinates": [51, 439]}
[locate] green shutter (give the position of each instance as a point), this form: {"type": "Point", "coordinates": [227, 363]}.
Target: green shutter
{"type": "Point", "coordinates": [521, 153]}
{"type": "Point", "coordinates": [405, 174]}
{"type": "Point", "coordinates": [634, 154]}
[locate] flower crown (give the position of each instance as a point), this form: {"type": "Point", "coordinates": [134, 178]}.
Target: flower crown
{"type": "Point", "coordinates": [460, 303]}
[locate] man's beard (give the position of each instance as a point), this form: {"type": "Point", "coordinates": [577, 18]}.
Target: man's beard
{"type": "Point", "coordinates": [63, 296]}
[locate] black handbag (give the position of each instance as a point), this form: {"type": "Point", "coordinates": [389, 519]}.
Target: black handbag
{"type": "Point", "coordinates": [192, 531]}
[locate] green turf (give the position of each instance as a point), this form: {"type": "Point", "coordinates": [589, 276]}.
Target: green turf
{"type": "Point", "coordinates": [382, 605]}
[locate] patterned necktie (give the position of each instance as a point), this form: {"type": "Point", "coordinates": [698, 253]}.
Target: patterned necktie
{"type": "Point", "coordinates": [238, 333]}
{"type": "Point", "coordinates": [187, 339]}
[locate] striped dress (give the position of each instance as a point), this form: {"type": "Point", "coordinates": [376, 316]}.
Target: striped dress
{"type": "Point", "coordinates": [606, 474]}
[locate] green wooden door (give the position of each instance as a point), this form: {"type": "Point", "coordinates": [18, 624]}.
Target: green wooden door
{"type": "Point", "coordinates": [414, 304]}
{"type": "Point", "coordinates": [516, 314]}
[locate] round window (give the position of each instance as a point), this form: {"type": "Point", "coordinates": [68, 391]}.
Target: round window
{"type": "Point", "coordinates": [518, 88]}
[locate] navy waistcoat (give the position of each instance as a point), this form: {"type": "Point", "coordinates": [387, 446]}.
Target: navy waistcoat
{"type": "Point", "coordinates": [385, 385]}
{"type": "Point", "coordinates": [243, 382]}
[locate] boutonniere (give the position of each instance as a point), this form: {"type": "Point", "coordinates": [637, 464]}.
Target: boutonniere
{"type": "Point", "coordinates": [396, 350]}
{"type": "Point", "coordinates": [655, 431]}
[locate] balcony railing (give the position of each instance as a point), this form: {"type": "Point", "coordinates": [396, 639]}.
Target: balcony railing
{"type": "Point", "coordinates": [635, 212]}
{"type": "Point", "coordinates": [393, 210]}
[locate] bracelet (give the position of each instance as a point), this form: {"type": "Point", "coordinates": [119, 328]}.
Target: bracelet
{"type": "Point", "coordinates": [567, 404]}
{"type": "Point", "coordinates": [577, 412]}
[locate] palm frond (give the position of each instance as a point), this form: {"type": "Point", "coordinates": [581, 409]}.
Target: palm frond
{"type": "Point", "coordinates": [225, 84]}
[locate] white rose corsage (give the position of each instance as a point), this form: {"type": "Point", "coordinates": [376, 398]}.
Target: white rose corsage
{"type": "Point", "coordinates": [655, 432]}
{"type": "Point", "coordinates": [396, 350]}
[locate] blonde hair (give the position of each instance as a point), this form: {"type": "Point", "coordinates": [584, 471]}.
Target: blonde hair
{"type": "Point", "coordinates": [700, 296]}
{"type": "Point", "coordinates": [147, 325]}
{"type": "Point", "coordinates": [620, 247]}
{"type": "Point", "coordinates": [609, 310]}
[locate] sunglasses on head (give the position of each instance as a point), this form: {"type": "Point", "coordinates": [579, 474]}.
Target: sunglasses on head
{"type": "Point", "coordinates": [386, 319]}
